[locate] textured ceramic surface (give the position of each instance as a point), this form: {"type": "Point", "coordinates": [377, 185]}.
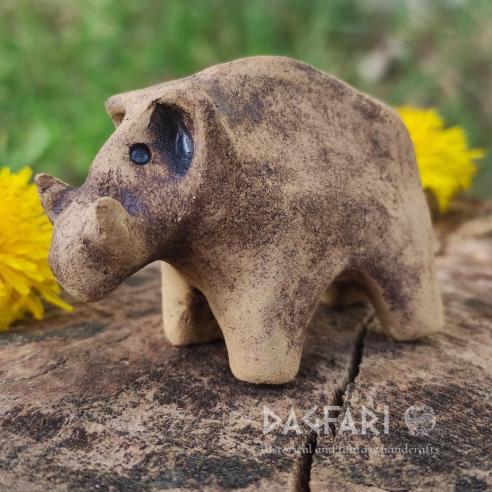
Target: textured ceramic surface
{"type": "Point", "coordinates": [259, 183]}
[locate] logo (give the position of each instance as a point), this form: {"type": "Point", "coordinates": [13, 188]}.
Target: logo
{"type": "Point", "coordinates": [324, 420]}
{"type": "Point", "coordinates": [420, 420]}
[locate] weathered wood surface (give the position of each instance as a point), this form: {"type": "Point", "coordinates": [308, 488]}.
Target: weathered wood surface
{"type": "Point", "coordinates": [98, 400]}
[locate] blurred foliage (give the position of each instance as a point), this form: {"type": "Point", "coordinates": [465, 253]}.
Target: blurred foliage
{"type": "Point", "coordinates": [60, 60]}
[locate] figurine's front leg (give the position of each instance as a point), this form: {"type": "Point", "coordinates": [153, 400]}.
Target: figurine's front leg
{"type": "Point", "coordinates": [186, 315]}
{"type": "Point", "coordinates": [259, 353]}
{"type": "Point", "coordinates": [264, 325]}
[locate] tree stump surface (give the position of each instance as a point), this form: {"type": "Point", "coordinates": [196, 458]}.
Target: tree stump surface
{"type": "Point", "coordinates": [98, 400]}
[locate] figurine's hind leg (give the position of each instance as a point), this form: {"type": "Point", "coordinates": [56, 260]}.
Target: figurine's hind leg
{"type": "Point", "coordinates": [186, 315]}
{"type": "Point", "coordinates": [406, 298]}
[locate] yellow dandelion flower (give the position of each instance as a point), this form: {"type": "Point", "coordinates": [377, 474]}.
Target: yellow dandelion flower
{"type": "Point", "coordinates": [25, 235]}
{"type": "Point", "coordinates": [446, 163]}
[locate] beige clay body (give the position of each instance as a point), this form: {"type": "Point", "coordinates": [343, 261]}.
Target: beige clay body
{"type": "Point", "coordinates": [259, 183]}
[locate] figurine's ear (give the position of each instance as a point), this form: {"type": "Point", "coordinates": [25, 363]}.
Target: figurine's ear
{"type": "Point", "coordinates": [116, 109]}
{"type": "Point", "coordinates": [171, 129]}
{"type": "Point", "coordinates": [53, 194]}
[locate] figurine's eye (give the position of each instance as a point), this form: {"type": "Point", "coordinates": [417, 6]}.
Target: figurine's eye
{"type": "Point", "coordinates": [140, 154]}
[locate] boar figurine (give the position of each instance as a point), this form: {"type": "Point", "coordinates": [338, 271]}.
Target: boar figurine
{"type": "Point", "coordinates": [258, 183]}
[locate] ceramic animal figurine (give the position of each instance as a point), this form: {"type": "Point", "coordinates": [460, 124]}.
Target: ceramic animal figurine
{"type": "Point", "coordinates": [258, 183]}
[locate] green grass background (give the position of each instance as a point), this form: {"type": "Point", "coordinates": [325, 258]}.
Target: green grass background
{"type": "Point", "coordinates": [61, 59]}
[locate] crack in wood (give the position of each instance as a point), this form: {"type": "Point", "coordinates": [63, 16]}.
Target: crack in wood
{"type": "Point", "coordinates": [51, 367]}
{"type": "Point", "coordinates": [302, 467]}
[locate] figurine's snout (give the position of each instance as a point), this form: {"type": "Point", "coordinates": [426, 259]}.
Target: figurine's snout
{"type": "Point", "coordinates": [95, 245]}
